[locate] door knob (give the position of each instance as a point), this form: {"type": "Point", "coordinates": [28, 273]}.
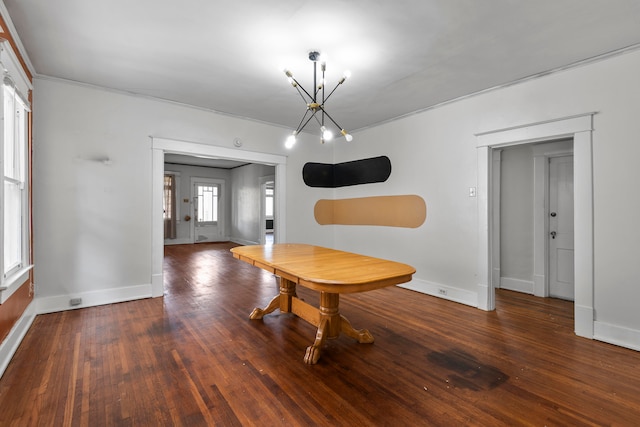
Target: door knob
{"type": "Point", "coordinates": [553, 234]}
{"type": "Point", "coordinates": [553, 214]}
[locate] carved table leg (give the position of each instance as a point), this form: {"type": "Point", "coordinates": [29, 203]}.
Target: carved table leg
{"type": "Point", "coordinates": [362, 335]}
{"type": "Point", "coordinates": [257, 313]}
{"type": "Point", "coordinates": [328, 326]}
{"type": "Point", "coordinates": [281, 301]}
{"type": "Point", "coordinates": [312, 354]}
{"type": "Point", "coordinates": [329, 320]}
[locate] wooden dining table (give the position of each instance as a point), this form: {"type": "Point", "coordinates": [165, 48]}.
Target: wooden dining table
{"type": "Point", "coordinates": [329, 271]}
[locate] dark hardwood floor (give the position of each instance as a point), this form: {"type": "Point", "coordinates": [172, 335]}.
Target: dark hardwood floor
{"type": "Point", "coordinates": [194, 358]}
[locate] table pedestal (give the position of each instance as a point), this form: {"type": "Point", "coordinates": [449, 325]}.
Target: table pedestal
{"type": "Point", "coordinates": [327, 318]}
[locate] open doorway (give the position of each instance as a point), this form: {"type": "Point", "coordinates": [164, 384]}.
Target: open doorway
{"type": "Point", "coordinates": [580, 130]}
{"type": "Point", "coordinates": [160, 146]}
{"type": "Point", "coordinates": [532, 193]}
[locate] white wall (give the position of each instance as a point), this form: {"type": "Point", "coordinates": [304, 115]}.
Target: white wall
{"type": "Point", "coordinates": [246, 197]}
{"type": "Point", "coordinates": [516, 218]}
{"type": "Point", "coordinates": [433, 154]}
{"type": "Point", "coordinates": [92, 221]}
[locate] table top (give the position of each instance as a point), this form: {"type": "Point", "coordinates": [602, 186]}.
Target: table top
{"type": "Point", "coordinates": [325, 269]}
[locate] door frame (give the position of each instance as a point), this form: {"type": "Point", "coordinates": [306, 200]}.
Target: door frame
{"type": "Point", "coordinates": [580, 129]}
{"type": "Point", "coordinates": [160, 146]}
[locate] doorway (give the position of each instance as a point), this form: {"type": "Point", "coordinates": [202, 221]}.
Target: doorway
{"type": "Point", "coordinates": [533, 219]}
{"type": "Point", "coordinates": [160, 146]}
{"type": "Point", "coordinates": [580, 128]}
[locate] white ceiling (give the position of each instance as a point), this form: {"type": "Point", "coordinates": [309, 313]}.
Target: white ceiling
{"type": "Point", "coordinates": [404, 55]}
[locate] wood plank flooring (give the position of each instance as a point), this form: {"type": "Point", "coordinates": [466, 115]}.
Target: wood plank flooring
{"type": "Point", "coordinates": [193, 358]}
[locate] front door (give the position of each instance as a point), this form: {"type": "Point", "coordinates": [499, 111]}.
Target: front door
{"type": "Point", "coordinates": [207, 199]}
{"type": "Point", "coordinates": [561, 277]}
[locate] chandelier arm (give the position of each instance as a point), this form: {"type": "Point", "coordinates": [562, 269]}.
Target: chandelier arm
{"type": "Point", "coordinates": [331, 93]}
{"type": "Point", "coordinates": [330, 118]}
{"type": "Point", "coordinates": [315, 81]}
{"type": "Point", "coordinates": [319, 122]}
{"type": "Point", "coordinates": [300, 126]}
{"type": "Point", "coordinates": [308, 120]}
{"type": "Point", "coordinates": [323, 98]}
{"type": "Point", "coordinates": [299, 86]}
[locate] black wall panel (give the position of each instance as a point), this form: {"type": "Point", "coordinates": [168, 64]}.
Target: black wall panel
{"type": "Point", "coordinates": [356, 172]}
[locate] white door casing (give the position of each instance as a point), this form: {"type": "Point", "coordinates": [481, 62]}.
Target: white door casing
{"type": "Point", "coordinates": [561, 249]}
{"type": "Point", "coordinates": [580, 129]}
{"type": "Point", "coordinates": [160, 146]}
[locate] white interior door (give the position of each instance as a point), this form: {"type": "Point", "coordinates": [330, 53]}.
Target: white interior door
{"type": "Point", "coordinates": [207, 201]}
{"type": "Point", "coordinates": [561, 264]}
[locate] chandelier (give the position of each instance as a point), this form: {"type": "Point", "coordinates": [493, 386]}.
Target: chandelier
{"type": "Point", "coordinates": [315, 102]}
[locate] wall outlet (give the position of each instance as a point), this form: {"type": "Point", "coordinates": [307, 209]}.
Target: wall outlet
{"type": "Point", "coordinates": [442, 291]}
{"type": "Point", "coordinates": [75, 301]}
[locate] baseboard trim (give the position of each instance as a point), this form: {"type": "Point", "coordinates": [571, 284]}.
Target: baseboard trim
{"type": "Point", "coordinates": [15, 337]}
{"type": "Point", "coordinates": [189, 241]}
{"type": "Point", "coordinates": [91, 299]}
{"type": "Point", "coordinates": [442, 291]}
{"type": "Point", "coordinates": [517, 285]}
{"type": "Point", "coordinates": [243, 241]}
{"type": "Point", "coordinates": [181, 241]}
{"type": "Point", "coordinates": [617, 335]}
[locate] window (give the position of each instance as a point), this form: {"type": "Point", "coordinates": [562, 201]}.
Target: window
{"type": "Point", "coordinates": [169, 206]}
{"type": "Point", "coordinates": [15, 190]}
{"type": "Point", "coordinates": [169, 198]}
{"type": "Point", "coordinates": [268, 207]}
{"type": "Point", "coordinates": [207, 207]}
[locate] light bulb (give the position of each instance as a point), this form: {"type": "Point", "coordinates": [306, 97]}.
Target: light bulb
{"type": "Point", "coordinates": [290, 77]}
{"type": "Point", "coordinates": [345, 76]}
{"type": "Point", "coordinates": [327, 135]}
{"type": "Point", "coordinates": [347, 135]}
{"type": "Point", "coordinates": [291, 140]}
